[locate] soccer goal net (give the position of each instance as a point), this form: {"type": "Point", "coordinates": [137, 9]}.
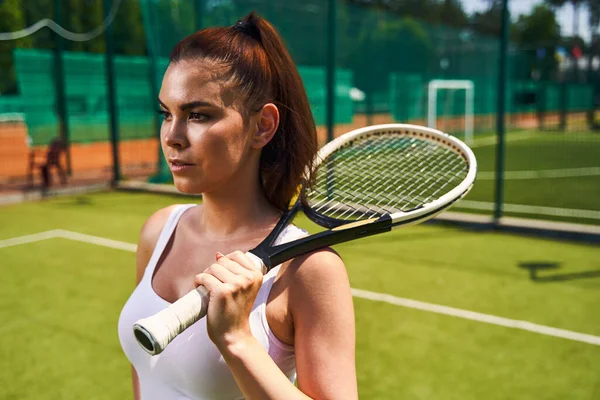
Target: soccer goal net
{"type": "Point", "coordinates": [450, 107]}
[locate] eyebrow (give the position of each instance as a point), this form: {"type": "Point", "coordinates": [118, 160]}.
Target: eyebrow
{"type": "Point", "coordinates": [192, 104]}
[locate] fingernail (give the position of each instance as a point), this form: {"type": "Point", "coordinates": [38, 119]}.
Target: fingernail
{"type": "Point", "coordinates": [219, 255]}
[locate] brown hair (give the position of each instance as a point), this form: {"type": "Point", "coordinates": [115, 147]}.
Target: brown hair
{"type": "Point", "coordinates": [262, 70]}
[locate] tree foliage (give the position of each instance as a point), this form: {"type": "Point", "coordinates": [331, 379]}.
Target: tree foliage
{"type": "Point", "coordinates": [364, 26]}
{"type": "Point", "coordinates": [78, 16]}
{"type": "Point", "coordinates": [537, 35]}
{"type": "Point", "coordinates": [446, 12]}
{"type": "Point", "coordinates": [538, 28]}
{"type": "Point", "coordinates": [11, 18]}
{"type": "Point", "coordinates": [488, 22]}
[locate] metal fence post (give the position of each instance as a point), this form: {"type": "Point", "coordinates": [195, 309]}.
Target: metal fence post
{"type": "Point", "coordinates": [112, 95]}
{"type": "Point", "coordinates": [198, 8]}
{"type": "Point", "coordinates": [500, 117]}
{"type": "Point", "coordinates": [59, 82]}
{"type": "Point", "coordinates": [330, 79]}
{"type": "Point", "coordinates": [162, 174]}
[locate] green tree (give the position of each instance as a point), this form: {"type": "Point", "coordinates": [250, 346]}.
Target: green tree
{"type": "Point", "coordinates": [35, 11]}
{"type": "Point", "coordinates": [537, 35]}
{"type": "Point", "coordinates": [488, 22]}
{"type": "Point", "coordinates": [593, 7]}
{"type": "Point", "coordinates": [12, 19]}
{"type": "Point", "coordinates": [451, 13]}
{"type": "Point", "coordinates": [538, 27]}
{"type": "Point", "coordinates": [128, 30]}
{"type": "Point", "coordinates": [82, 16]}
{"type": "Point", "coordinates": [438, 12]}
{"type": "Point", "coordinates": [390, 45]}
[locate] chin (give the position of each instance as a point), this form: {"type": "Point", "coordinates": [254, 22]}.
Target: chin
{"type": "Point", "coordinates": [184, 186]}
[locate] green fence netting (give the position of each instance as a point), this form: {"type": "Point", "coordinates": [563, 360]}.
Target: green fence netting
{"type": "Point", "coordinates": [86, 93]}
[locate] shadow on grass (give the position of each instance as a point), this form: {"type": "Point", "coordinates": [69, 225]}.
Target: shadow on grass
{"type": "Point", "coordinates": [534, 266]}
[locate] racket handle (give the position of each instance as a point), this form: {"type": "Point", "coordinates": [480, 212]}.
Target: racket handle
{"type": "Point", "coordinates": [155, 332]}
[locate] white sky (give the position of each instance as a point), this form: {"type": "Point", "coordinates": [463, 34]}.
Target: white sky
{"type": "Point", "coordinates": [564, 15]}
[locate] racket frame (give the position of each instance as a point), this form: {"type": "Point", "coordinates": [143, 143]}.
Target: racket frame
{"type": "Point", "coordinates": [343, 231]}
{"type": "Point", "coordinates": [418, 132]}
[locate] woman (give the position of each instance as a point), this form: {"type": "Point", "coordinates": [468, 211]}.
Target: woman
{"type": "Point", "coordinates": [238, 129]}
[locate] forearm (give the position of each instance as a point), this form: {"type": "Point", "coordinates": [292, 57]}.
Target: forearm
{"type": "Point", "coordinates": [256, 373]}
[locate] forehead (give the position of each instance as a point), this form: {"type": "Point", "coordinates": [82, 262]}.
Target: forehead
{"type": "Point", "coordinates": [187, 81]}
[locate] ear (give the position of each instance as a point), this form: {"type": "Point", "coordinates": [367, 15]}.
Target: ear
{"type": "Point", "coordinates": [267, 123]}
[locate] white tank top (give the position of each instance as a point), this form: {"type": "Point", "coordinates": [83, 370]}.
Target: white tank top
{"type": "Point", "coordinates": [191, 367]}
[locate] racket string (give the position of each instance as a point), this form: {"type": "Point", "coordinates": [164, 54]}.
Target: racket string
{"type": "Point", "coordinates": [379, 160]}
{"type": "Point", "coordinates": [375, 174]}
{"type": "Point", "coordinates": [349, 210]}
{"type": "Point", "coordinates": [430, 172]}
{"type": "Point", "coordinates": [386, 185]}
{"type": "Point", "coordinates": [384, 175]}
{"type": "Point", "coordinates": [412, 196]}
{"type": "Point", "coordinates": [367, 175]}
{"type": "Point", "coordinates": [426, 174]}
{"type": "Point", "coordinates": [458, 174]}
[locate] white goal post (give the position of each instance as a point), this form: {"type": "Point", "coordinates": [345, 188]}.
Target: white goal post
{"type": "Point", "coordinates": [466, 85]}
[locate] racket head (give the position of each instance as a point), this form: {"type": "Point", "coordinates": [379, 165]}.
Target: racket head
{"type": "Point", "coordinates": [401, 172]}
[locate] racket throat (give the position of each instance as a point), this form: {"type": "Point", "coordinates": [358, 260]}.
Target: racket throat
{"type": "Point", "coordinates": [360, 229]}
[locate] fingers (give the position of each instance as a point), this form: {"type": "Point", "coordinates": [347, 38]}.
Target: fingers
{"type": "Point", "coordinates": [244, 260]}
{"type": "Point", "coordinates": [235, 269]}
{"type": "Point", "coordinates": [208, 281]}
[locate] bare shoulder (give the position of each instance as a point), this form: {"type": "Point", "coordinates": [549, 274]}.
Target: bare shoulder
{"type": "Point", "coordinates": [153, 226]}
{"type": "Point", "coordinates": [317, 276]}
{"type": "Point", "coordinates": [320, 301]}
{"type": "Point", "coordinates": [149, 236]}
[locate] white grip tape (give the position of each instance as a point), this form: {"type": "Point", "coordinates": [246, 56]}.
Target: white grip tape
{"type": "Point", "coordinates": [258, 263]}
{"type": "Point", "coordinates": [161, 328]}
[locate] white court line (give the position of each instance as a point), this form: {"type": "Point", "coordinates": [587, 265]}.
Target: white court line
{"type": "Point", "coordinates": [541, 174]}
{"type": "Point", "coordinates": [525, 209]}
{"type": "Point", "coordinates": [60, 233]}
{"type": "Point", "coordinates": [100, 241]}
{"type": "Point", "coordinates": [492, 140]}
{"type": "Point", "coordinates": [479, 317]}
{"type": "Point", "coordinates": [381, 297]}
{"type": "Point", "coordinates": [36, 237]}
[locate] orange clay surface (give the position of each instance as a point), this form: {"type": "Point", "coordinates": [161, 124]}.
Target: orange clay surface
{"type": "Point", "coordinates": [142, 154]}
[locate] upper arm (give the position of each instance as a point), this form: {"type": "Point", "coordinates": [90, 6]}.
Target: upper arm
{"type": "Point", "coordinates": [324, 328]}
{"type": "Point", "coordinates": [148, 238]}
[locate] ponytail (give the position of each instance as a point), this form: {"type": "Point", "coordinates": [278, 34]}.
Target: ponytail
{"type": "Point", "coordinates": [263, 71]}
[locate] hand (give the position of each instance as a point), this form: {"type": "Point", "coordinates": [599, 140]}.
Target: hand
{"type": "Point", "coordinates": [233, 283]}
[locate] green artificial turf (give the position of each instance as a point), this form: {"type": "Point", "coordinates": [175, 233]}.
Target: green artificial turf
{"type": "Point", "coordinates": [60, 301]}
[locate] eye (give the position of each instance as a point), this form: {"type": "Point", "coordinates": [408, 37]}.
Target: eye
{"type": "Point", "coordinates": [165, 115]}
{"type": "Point", "coordinates": [196, 116]}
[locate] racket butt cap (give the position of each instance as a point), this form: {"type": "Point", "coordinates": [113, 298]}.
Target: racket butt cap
{"type": "Point", "coordinates": [146, 340]}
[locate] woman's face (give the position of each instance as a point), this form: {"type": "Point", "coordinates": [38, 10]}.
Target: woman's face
{"type": "Point", "coordinates": [204, 138]}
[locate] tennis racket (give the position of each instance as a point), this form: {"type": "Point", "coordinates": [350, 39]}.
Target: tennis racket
{"type": "Point", "coordinates": [367, 182]}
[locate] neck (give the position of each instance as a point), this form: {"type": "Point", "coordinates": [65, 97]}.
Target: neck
{"type": "Point", "coordinates": [241, 211]}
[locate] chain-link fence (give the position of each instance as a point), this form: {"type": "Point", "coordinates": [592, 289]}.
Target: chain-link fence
{"type": "Point", "coordinates": [434, 63]}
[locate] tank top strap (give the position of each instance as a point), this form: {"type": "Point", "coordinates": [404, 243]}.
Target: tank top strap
{"type": "Point", "coordinates": [165, 236]}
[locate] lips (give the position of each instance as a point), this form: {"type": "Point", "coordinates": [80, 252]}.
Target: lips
{"type": "Point", "coordinates": [179, 166]}
{"type": "Point", "coordinates": [178, 162]}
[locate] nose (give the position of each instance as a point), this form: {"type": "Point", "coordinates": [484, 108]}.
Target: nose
{"type": "Point", "coordinates": [175, 135]}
